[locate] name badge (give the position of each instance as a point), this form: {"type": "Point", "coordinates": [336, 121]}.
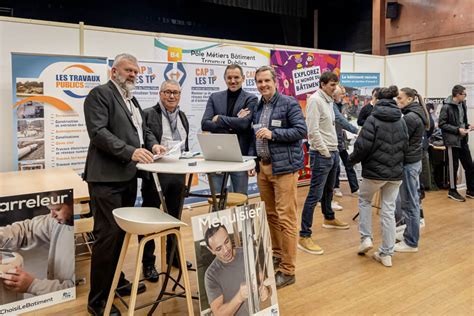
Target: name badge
{"type": "Point", "coordinates": [276, 123]}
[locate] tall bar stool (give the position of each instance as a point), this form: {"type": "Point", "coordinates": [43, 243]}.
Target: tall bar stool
{"type": "Point", "coordinates": [153, 224]}
{"type": "Point", "coordinates": [233, 199]}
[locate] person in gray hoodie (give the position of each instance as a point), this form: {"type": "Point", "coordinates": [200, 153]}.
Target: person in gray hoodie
{"type": "Point", "coordinates": [55, 230]}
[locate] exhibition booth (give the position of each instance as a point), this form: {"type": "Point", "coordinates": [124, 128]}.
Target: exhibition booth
{"type": "Point", "coordinates": [48, 68]}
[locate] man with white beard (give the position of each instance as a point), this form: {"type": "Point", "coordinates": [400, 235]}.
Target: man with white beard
{"type": "Point", "coordinates": [119, 139]}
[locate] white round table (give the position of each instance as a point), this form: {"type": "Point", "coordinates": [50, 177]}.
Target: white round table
{"type": "Point", "coordinates": [196, 165]}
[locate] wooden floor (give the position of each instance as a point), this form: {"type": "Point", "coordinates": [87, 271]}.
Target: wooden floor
{"type": "Point", "coordinates": [438, 280]}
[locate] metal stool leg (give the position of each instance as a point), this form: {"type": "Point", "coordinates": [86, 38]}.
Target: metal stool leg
{"type": "Point", "coordinates": [116, 278]}
{"type": "Point", "coordinates": [164, 283]}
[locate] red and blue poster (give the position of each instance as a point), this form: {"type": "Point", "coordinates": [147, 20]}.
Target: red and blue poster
{"type": "Point", "coordinates": [298, 72]}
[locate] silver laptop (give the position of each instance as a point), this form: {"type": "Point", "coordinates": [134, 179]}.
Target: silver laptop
{"type": "Point", "coordinates": [221, 147]}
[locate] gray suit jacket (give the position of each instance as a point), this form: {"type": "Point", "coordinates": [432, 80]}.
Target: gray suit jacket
{"type": "Point", "coordinates": [217, 105]}
{"type": "Point", "coordinates": [113, 137]}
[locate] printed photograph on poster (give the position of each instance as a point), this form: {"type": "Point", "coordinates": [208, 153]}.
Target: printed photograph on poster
{"type": "Point", "coordinates": [359, 87]}
{"type": "Point", "coordinates": [434, 105]}
{"type": "Point", "coordinates": [30, 110]}
{"type": "Point", "coordinates": [234, 261]}
{"type": "Point", "coordinates": [37, 267]}
{"type": "Point", "coordinates": [31, 150]}
{"type": "Point", "coordinates": [30, 165]}
{"type": "Point", "coordinates": [29, 87]}
{"type": "Point", "coordinates": [30, 129]}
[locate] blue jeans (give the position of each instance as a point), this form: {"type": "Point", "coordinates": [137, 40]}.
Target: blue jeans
{"type": "Point", "coordinates": [350, 172]}
{"type": "Point", "coordinates": [239, 181]}
{"type": "Point", "coordinates": [389, 192]}
{"type": "Point", "coordinates": [323, 177]}
{"type": "Point", "coordinates": [409, 201]}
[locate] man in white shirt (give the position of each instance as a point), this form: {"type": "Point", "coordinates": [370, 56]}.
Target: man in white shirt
{"type": "Point", "coordinates": [324, 155]}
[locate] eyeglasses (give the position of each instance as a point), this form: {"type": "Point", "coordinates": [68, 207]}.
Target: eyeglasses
{"type": "Point", "coordinates": [169, 93]}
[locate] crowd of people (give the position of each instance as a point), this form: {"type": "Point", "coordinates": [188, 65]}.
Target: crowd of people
{"type": "Point", "coordinates": [273, 129]}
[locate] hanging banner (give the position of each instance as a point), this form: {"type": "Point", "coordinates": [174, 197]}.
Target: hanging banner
{"type": "Point", "coordinates": [359, 88]}
{"type": "Point", "coordinates": [48, 97]}
{"type": "Point", "coordinates": [207, 52]}
{"type": "Point", "coordinates": [298, 72]}
{"type": "Point", "coordinates": [37, 251]}
{"type": "Point", "coordinates": [198, 82]}
{"type": "Point", "coordinates": [234, 260]}
{"type": "Point", "coordinates": [298, 75]}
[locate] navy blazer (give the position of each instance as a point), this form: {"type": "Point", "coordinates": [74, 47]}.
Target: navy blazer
{"type": "Point", "coordinates": [217, 105]}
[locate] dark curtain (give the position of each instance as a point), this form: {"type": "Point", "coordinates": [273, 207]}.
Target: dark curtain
{"type": "Point", "coordinates": [282, 7]}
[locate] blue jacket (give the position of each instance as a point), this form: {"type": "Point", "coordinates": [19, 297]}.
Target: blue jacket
{"type": "Point", "coordinates": [217, 105]}
{"type": "Point", "coordinates": [286, 144]}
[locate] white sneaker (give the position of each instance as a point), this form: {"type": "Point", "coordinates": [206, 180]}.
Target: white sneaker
{"type": "Point", "coordinates": [400, 228]}
{"type": "Point", "coordinates": [365, 246]}
{"type": "Point", "coordinates": [336, 207]}
{"type": "Point", "coordinates": [355, 193]}
{"type": "Point", "coordinates": [422, 223]}
{"type": "Point", "coordinates": [385, 260]}
{"type": "Point", "coordinates": [399, 236]}
{"type": "Point", "coordinates": [403, 247]}
{"type": "Point", "coordinates": [337, 192]}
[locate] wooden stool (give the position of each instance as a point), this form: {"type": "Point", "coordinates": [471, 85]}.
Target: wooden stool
{"type": "Point", "coordinates": [84, 227]}
{"type": "Point", "coordinates": [153, 224]}
{"type": "Point", "coordinates": [233, 199]}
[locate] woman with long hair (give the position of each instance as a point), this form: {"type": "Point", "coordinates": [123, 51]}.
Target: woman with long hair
{"type": "Point", "coordinates": [416, 117]}
{"type": "Point", "coordinates": [380, 147]}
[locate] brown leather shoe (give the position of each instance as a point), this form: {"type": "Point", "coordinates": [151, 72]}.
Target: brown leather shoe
{"type": "Point", "coordinates": [283, 280]}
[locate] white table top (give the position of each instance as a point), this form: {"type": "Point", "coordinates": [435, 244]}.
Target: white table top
{"type": "Point", "coordinates": [52, 179]}
{"type": "Point", "coordinates": [202, 166]}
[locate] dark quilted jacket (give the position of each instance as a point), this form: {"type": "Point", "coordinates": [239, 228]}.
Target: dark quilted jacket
{"type": "Point", "coordinates": [382, 143]}
{"type": "Point", "coordinates": [415, 118]}
{"type": "Point", "coordinates": [449, 122]}
{"type": "Point", "coordinates": [286, 144]}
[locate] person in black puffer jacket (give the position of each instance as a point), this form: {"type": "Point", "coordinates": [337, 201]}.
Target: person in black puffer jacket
{"type": "Point", "coordinates": [415, 116]}
{"type": "Point", "coordinates": [381, 147]}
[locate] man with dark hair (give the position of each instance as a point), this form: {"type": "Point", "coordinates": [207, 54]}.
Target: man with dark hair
{"type": "Point", "coordinates": [230, 112]}
{"type": "Point", "coordinates": [226, 287]}
{"type": "Point", "coordinates": [324, 155]}
{"type": "Point", "coordinates": [455, 127]}
{"type": "Point", "coordinates": [119, 139]}
{"type": "Point", "coordinates": [367, 109]}
{"type": "Point", "coordinates": [279, 128]}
